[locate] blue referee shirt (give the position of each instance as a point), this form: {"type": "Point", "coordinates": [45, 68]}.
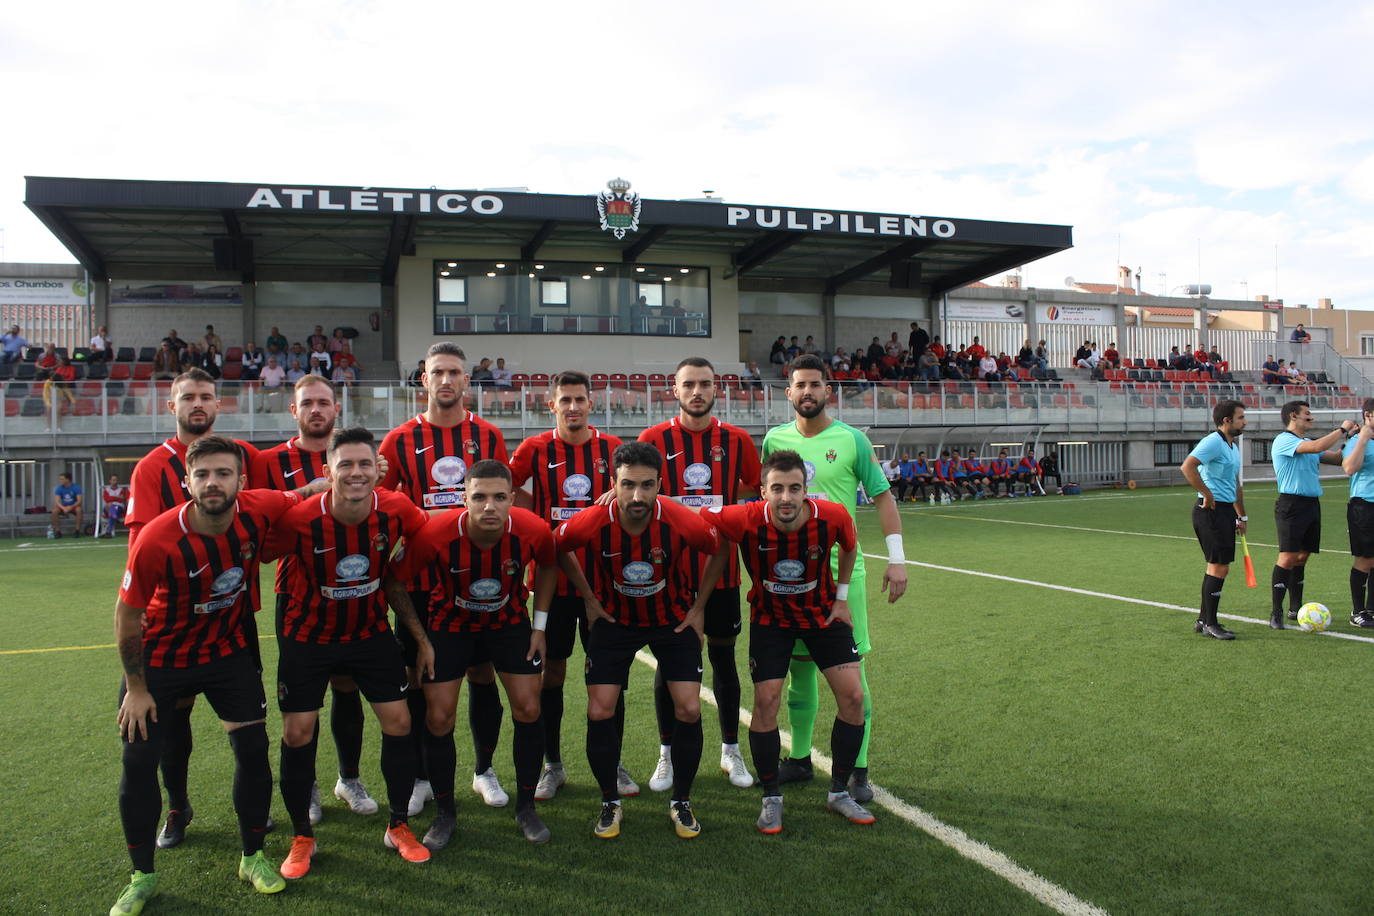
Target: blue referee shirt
{"type": "Point", "coordinates": [1220, 466]}
{"type": "Point", "coordinates": [1362, 481]}
{"type": "Point", "coordinates": [1297, 474]}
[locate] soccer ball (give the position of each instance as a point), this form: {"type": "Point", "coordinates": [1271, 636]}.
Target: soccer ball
{"type": "Point", "coordinates": [1313, 617]}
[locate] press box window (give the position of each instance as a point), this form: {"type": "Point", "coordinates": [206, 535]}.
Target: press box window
{"type": "Point", "coordinates": [553, 292]}
{"type": "Point", "coordinates": [453, 290]}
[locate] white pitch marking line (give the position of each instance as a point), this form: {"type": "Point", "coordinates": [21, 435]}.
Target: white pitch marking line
{"type": "Point", "coordinates": [1111, 597]}
{"type": "Point", "coordinates": [1140, 534]}
{"type": "Point", "coordinates": [1042, 889]}
{"type": "Point", "coordinates": [26, 548]}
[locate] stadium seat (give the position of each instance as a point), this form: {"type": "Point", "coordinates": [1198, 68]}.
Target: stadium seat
{"type": "Point", "coordinates": [17, 390]}
{"type": "Point", "coordinates": [88, 390]}
{"type": "Point", "coordinates": [233, 372]}
{"type": "Point", "coordinates": [80, 370]}
{"type": "Point", "coordinates": [25, 371]}
{"type": "Point", "coordinates": [519, 379]}
{"type": "Point", "coordinates": [600, 380]}
{"type": "Point", "coordinates": [81, 353]}
{"type": "Point", "coordinates": [111, 407]}
{"type": "Point", "coordinates": [6, 371]}
{"type": "Point", "coordinates": [124, 355]}
{"type": "Point", "coordinates": [619, 380]}
{"type": "Point", "coordinates": [120, 371]}
{"type": "Point", "coordinates": [233, 355]}
{"type": "Point", "coordinates": [639, 381]}
{"type": "Point", "coordinates": [32, 407]}
{"type": "Point", "coordinates": [85, 407]}
{"type": "Point", "coordinates": [11, 407]}
{"type": "Point", "coordinates": [32, 353]}
{"type": "Point", "coordinates": [114, 389]}
{"type": "Point", "coordinates": [97, 370]}
{"type": "Point", "coordinates": [145, 354]}
{"type": "Point", "coordinates": [143, 371]}
{"type": "Point", "coordinates": [229, 405]}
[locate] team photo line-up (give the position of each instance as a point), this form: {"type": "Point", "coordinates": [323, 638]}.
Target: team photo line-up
{"type": "Point", "coordinates": [494, 567]}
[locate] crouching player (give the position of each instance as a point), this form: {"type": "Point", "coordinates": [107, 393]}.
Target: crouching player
{"type": "Point", "coordinates": [786, 542]}
{"type": "Point", "coordinates": [479, 555]}
{"type": "Point", "coordinates": [334, 622]}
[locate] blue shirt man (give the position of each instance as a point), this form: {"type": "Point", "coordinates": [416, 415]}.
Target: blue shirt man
{"type": "Point", "coordinates": [67, 493]}
{"type": "Point", "coordinates": [1358, 462]}
{"type": "Point", "coordinates": [14, 344]}
{"type": "Point", "coordinates": [66, 501]}
{"type": "Point", "coordinates": [1213, 469]}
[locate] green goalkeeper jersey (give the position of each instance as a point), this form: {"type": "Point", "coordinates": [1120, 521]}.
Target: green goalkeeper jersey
{"type": "Point", "coordinates": [839, 459]}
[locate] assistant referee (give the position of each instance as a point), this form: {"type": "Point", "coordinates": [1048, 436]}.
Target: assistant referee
{"type": "Point", "coordinates": [1298, 511]}
{"type": "Point", "coordinates": [1213, 469]}
{"type": "Point", "coordinates": [1359, 465]}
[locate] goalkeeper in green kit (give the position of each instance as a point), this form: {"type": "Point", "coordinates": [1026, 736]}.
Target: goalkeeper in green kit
{"type": "Point", "coordinates": [839, 458]}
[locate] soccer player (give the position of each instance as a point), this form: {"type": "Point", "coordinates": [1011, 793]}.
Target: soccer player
{"type": "Point", "coordinates": [179, 632]}
{"type": "Point", "coordinates": [962, 483]}
{"type": "Point", "coordinates": [945, 469]}
{"type": "Point", "coordinates": [1359, 513]}
{"type": "Point", "coordinates": [1000, 473]}
{"type": "Point", "coordinates": [301, 460]}
{"type": "Point", "coordinates": [787, 541]}
{"type": "Point", "coordinates": [427, 459]}
{"type": "Point", "coordinates": [1028, 473]}
{"type": "Point", "coordinates": [838, 459]}
{"type": "Point", "coordinates": [706, 463]}
{"type": "Point", "coordinates": [1298, 511]}
{"type": "Point", "coordinates": [67, 499]}
{"type": "Point", "coordinates": [978, 478]}
{"type": "Point", "coordinates": [569, 468]}
{"type": "Point", "coordinates": [481, 554]}
{"type": "Point", "coordinates": [157, 484]}
{"type": "Point", "coordinates": [114, 497]}
{"type": "Point", "coordinates": [1213, 469]}
{"type": "Point", "coordinates": [641, 565]}
{"type": "Point", "coordinates": [334, 622]}
{"type": "Point", "coordinates": [923, 478]}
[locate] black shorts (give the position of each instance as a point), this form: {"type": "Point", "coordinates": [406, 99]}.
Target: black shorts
{"type": "Point", "coordinates": [771, 648]}
{"type": "Point", "coordinates": [250, 633]}
{"type": "Point", "coordinates": [419, 601]}
{"type": "Point", "coordinates": [567, 619]}
{"type": "Point", "coordinates": [611, 649]}
{"type": "Point", "coordinates": [1299, 521]}
{"type": "Point", "coordinates": [304, 669]}
{"type": "Point", "coordinates": [1359, 518]}
{"type": "Point", "coordinates": [232, 686]}
{"type": "Point", "coordinates": [722, 613]}
{"type": "Point", "coordinates": [505, 647]}
{"type": "Point", "coordinates": [1216, 532]}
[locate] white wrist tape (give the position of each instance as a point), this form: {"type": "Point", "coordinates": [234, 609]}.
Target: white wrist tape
{"type": "Point", "coordinates": [541, 620]}
{"type": "Point", "coordinates": [896, 553]}
{"type": "Point", "coordinates": [842, 592]}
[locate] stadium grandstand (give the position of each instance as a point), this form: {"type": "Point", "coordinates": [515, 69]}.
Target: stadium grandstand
{"type": "Point", "coordinates": [250, 280]}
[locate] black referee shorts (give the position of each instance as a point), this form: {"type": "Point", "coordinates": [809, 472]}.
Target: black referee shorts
{"type": "Point", "coordinates": [1359, 517]}
{"type": "Point", "coordinates": [1299, 521]}
{"type": "Point", "coordinates": [1216, 532]}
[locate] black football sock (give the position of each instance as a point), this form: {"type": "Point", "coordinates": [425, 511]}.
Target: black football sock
{"type": "Point", "coordinates": [140, 803]}
{"type": "Point", "coordinates": [1359, 583]}
{"type": "Point", "coordinates": [415, 702]}
{"type": "Point", "coordinates": [845, 740]}
{"type": "Point", "coordinates": [1211, 598]}
{"type": "Point", "coordinates": [551, 716]}
{"type": "Point", "coordinates": [484, 718]}
{"type": "Point", "coordinates": [663, 709]}
{"type": "Point", "coordinates": [1297, 578]}
{"type": "Point", "coordinates": [619, 719]}
{"type": "Point", "coordinates": [603, 753]}
{"type": "Point", "coordinates": [398, 769]}
{"type": "Point", "coordinates": [443, 763]}
{"type": "Point", "coordinates": [686, 756]}
{"type": "Point", "coordinates": [765, 748]}
{"type": "Point", "coordinates": [176, 758]}
{"type": "Point", "coordinates": [725, 685]}
{"type": "Point", "coordinates": [528, 748]}
{"type": "Point", "coordinates": [1369, 593]}
{"type": "Point", "coordinates": [297, 777]}
{"type": "Point", "coordinates": [252, 784]}
{"type": "Point", "coordinates": [346, 724]}
{"type": "Point", "coordinates": [1278, 582]}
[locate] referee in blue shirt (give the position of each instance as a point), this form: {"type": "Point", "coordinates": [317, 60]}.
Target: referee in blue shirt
{"type": "Point", "coordinates": [1359, 515]}
{"type": "Point", "coordinates": [1213, 469]}
{"type": "Point", "coordinates": [1298, 511]}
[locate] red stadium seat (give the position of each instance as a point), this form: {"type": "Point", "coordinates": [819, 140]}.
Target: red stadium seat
{"type": "Point", "coordinates": [89, 390]}
{"type": "Point", "coordinates": [119, 372]}
{"type": "Point", "coordinates": [143, 371]}
{"type": "Point", "coordinates": [619, 380]}
{"type": "Point", "coordinates": [233, 355]}
{"type": "Point", "coordinates": [11, 407]}
{"type": "Point", "coordinates": [233, 372]}
{"type": "Point", "coordinates": [519, 379]}
{"type": "Point", "coordinates": [85, 407]}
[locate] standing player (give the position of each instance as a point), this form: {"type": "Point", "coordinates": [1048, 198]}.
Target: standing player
{"type": "Point", "coordinates": [787, 540]}
{"type": "Point", "coordinates": [158, 484]}
{"type": "Point", "coordinates": [642, 566]}
{"type": "Point", "coordinates": [1298, 511]}
{"type": "Point", "coordinates": [838, 458]}
{"type": "Point", "coordinates": [480, 556]}
{"type": "Point", "coordinates": [706, 463]}
{"type": "Point", "coordinates": [427, 459]}
{"type": "Point", "coordinates": [1213, 469]}
{"type": "Point", "coordinates": [569, 468]}
{"type": "Point", "coordinates": [333, 622]}
{"type": "Point", "coordinates": [1359, 513]}
{"type": "Point", "coordinates": [297, 461]}
{"type": "Point", "coordinates": [179, 631]}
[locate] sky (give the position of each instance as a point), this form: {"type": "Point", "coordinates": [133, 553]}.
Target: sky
{"type": "Point", "coordinates": [1218, 143]}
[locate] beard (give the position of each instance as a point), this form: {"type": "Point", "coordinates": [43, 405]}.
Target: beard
{"type": "Point", "coordinates": [810, 410]}
{"type": "Point", "coordinates": [195, 427]}
{"type": "Point", "coordinates": [699, 411]}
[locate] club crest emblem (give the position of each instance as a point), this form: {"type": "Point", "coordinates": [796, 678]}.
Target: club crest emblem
{"type": "Point", "coordinates": [380, 543]}
{"type": "Point", "coordinates": [831, 455]}
{"type": "Point", "coordinates": [814, 551]}
{"type": "Point", "coordinates": [717, 453]}
{"type": "Point", "coordinates": [247, 552]}
{"type": "Point", "coordinates": [657, 555]}
{"type": "Point", "coordinates": [601, 466]}
{"type": "Point", "coordinates": [510, 567]}
{"type": "Point", "coordinates": [618, 207]}
{"type": "Point", "coordinates": [470, 446]}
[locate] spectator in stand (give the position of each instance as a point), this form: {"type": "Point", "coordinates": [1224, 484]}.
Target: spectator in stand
{"type": "Point", "coordinates": [876, 351]}
{"type": "Point", "coordinates": [751, 377]}
{"type": "Point", "coordinates": [793, 349]}
{"type": "Point", "coordinates": [482, 374]}
{"type": "Point", "coordinates": [1042, 355]}
{"type": "Point", "coordinates": [890, 366]}
{"type": "Point", "coordinates": [892, 470]}
{"type": "Point", "coordinates": [810, 345]}
{"type": "Point", "coordinates": [1300, 334]}
{"type": "Point", "coordinates": [952, 369]}
{"type": "Point", "coordinates": [839, 356]}
{"type": "Point", "coordinates": [296, 371]}
{"type": "Point", "coordinates": [1199, 355]}
{"type": "Point", "coordinates": [211, 339]}
{"type": "Point", "coordinates": [987, 368]}
{"type": "Point", "coordinates": [177, 343]}
{"type": "Point", "coordinates": [976, 350]}
{"type": "Point", "coordinates": [918, 339]}
{"type": "Point", "coordinates": [212, 362]}
{"type": "Point", "coordinates": [321, 363]}
{"type": "Point", "coordinates": [1008, 373]}
{"type": "Point", "coordinates": [46, 363]}
{"type": "Point", "coordinates": [67, 499]}
{"type": "Point", "coordinates": [893, 345]}
{"type": "Point", "coordinates": [101, 347]}
{"type": "Point", "coordinates": [62, 379]}
{"type": "Point", "coordinates": [928, 365]}
{"type": "Point", "coordinates": [1003, 360]}
{"type": "Point", "coordinates": [1295, 376]}
{"type": "Point", "coordinates": [194, 357]}
{"type": "Point", "coordinates": [276, 342]}
{"type": "Point", "coordinates": [778, 354]}
{"type": "Point", "coordinates": [500, 375]}
{"type": "Point", "coordinates": [1202, 364]}
{"type": "Point", "coordinates": [317, 336]}
{"type": "Point", "coordinates": [937, 348]}
{"type": "Point", "coordinates": [167, 360]}
{"type": "Point", "coordinates": [1269, 371]}
{"type": "Point", "coordinates": [114, 497]}
{"type": "Point", "coordinates": [1214, 357]}
{"type": "Point", "coordinates": [272, 376]}
{"type": "Point", "coordinates": [1175, 358]}
{"type": "Point", "coordinates": [14, 344]}
{"type": "Point", "coordinates": [841, 372]}
{"type": "Point", "coordinates": [253, 362]}
{"type": "Point", "coordinates": [1025, 357]}
{"type": "Point", "coordinates": [1049, 467]}
{"type": "Point", "coordinates": [1082, 357]}
{"type": "Point", "coordinates": [414, 379]}
{"type": "Point", "coordinates": [1028, 473]}
{"type": "Point", "coordinates": [297, 358]}
{"type": "Point", "coordinates": [1111, 356]}
{"type": "Point", "coordinates": [345, 374]}
{"type": "Point", "coordinates": [339, 343]}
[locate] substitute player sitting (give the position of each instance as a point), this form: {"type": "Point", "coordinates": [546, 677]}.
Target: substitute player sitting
{"type": "Point", "coordinates": [334, 622]}
{"type": "Point", "coordinates": [786, 542]}
{"type": "Point", "coordinates": [479, 556]}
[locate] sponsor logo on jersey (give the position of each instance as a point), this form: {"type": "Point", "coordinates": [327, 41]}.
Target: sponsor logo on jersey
{"type": "Point", "coordinates": [128, 579]}
{"type": "Point", "coordinates": [810, 471]}
{"type": "Point", "coordinates": [696, 476]}
{"type": "Point", "coordinates": [486, 596]}
{"type": "Point", "coordinates": [485, 589]}
{"type": "Point", "coordinates": [225, 590]}
{"type": "Point", "coordinates": [577, 486]}
{"type": "Point", "coordinates": [789, 569]}
{"type": "Point", "coordinates": [639, 582]}
{"type": "Point", "coordinates": [448, 471]}
{"type": "Point", "coordinates": [698, 500]}
{"type": "Point", "coordinates": [353, 567]}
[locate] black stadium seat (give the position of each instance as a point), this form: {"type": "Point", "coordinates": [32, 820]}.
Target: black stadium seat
{"type": "Point", "coordinates": [145, 354]}
{"type": "Point", "coordinates": [25, 371]}
{"type": "Point", "coordinates": [124, 355]}
{"type": "Point", "coordinates": [97, 371]}
{"type": "Point", "coordinates": [33, 407]}
{"type": "Point", "coordinates": [6, 371]}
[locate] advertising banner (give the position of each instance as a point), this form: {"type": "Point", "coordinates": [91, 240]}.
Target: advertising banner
{"type": "Point", "coordinates": [42, 291]}
{"type": "Point", "coordinates": [957, 310]}
{"type": "Point", "coordinates": [1075, 314]}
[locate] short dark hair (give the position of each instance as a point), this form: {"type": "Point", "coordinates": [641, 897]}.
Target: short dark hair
{"type": "Point", "coordinates": [1290, 410]}
{"type": "Point", "coordinates": [353, 435]}
{"type": "Point", "coordinates": [783, 460]}
{"type": "Point", "coordinates": [65, 474]}
{"type": "Point", "coordinates": [193, 375]}
{"type": "Point", "coordinates": [810, 361]}
{"type": "Point", "coordinates": [446, 348]}
{"type": "Point", "coordinates": [569, 377]}
{"type": "Point", "coordinates": [697, 362]}
{"type": "Point", "coordinates": [488, 468]}
{"type": "Point", "coordinates": [1225, 410]}
{"type": "Point", "coordinates": [637, 453]}
{"type": "Point", "coordinates": [213, 445]}
{"type": "Point", "coordinates": [1368, 406]}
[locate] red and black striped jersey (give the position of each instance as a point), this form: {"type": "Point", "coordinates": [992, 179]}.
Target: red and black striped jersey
{"type": "Point", "coordinates": [159, 483]}
{"type": "Point", "coordinates": [286, 467]}
{"type": "Point", "coordinates": [334, 593]}
{"type": "Point", "coordinates": [647, 579]}
{"type": "Point", "coordinates": [481, 588]}
{"type": "Point", "coordinates": [713, 467]}
{"type": "Point", "coordinates": [429, 463]}
{"type": "Point", "coordinates": [567, 479]}
{"type": "Point", "coordinates": [194, 588]}
{"type": "Point", "coordinates": [793, 585]}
